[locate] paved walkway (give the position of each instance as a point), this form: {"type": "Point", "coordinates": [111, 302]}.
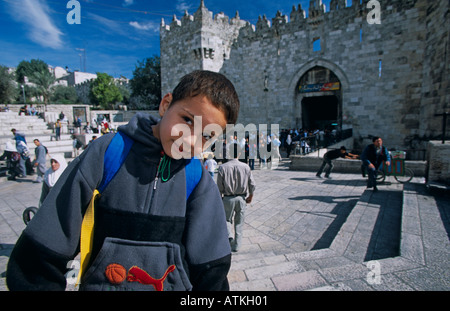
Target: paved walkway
{"type": "Point", "coordinates": [305, 233]}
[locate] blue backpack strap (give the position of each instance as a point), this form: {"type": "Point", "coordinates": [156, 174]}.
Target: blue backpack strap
{"type": "Point", "coordinates": [114, 157]}
{"type": "Point", "coordinates": [117, 152]}
{"type": "Point", "coordinates": [193, 175]}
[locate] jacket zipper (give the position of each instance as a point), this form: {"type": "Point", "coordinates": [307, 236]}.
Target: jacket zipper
{"type": "Point", "coordinates": [157, 175]}
{"type": "Point", "coordinates": [155, 182]}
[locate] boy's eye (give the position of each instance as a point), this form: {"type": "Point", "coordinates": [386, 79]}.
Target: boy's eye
{"type": "Point", "coordinates": [207, 137]}
{"type": "Point", "coordinates": [188, 120]}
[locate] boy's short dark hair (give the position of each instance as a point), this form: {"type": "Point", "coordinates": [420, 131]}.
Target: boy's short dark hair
{"type": "Point", "coordinates": [375, 138]}
{"type": "Point", "coordinates": [343, 148]}
{"type": "Point", "coordinates": [215, 86]}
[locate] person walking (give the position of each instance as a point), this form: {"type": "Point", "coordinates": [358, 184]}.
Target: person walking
{"type": "Point", "coordinates": [210, 165]}
{"type": "Point", "coordinates": [372, 158]}
{"type": "Point", "coordinates": [288, 144]}
{"type": "Point", "coordinates": [58, 126]}
{"type": "Point", "coordinates": [40, 160]}
{"type": "Point", "coordinates": [237, 186]}
{"type": "Point", "coordinates": [24, 151]}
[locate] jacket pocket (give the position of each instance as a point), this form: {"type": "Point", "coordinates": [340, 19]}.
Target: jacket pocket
{"type": "Point", "coordinates": [136, 265]}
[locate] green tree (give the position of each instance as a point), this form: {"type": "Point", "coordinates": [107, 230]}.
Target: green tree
{"type": "Point", "coordinates": [64, 95]}
{"type": "Point", "coordinates": [125, 92]}
{"type": "Point", "coordinates": [27, 68]}
{"type": "Point", "coordinates": [146, 82]}
{"type": "Point", "coordinates": [44, 81]}
{"type": "Point", "coordinates": [104, 92]}
{"type": "Point", "coordinates": [8, 90]}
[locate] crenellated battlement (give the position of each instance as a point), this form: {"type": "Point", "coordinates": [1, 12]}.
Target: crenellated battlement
{"type": "Point", "coordinates": [201, 18]}
{"type": "Point", "coordinates": [317, 15]}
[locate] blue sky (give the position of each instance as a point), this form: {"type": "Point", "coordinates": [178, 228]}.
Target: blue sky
{"type": "Point", "coordinates": [115, 34]}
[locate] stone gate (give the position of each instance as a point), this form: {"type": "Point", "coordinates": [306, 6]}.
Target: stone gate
{"type": "Point", "coordinates": [330, 69]}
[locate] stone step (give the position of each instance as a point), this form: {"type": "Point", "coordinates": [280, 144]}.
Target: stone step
{"type": "Point", "coordinates": [33, 127]}
{"type": "Point", "coordinates": [258, 260]}
{"type": "Point", "coordinates": [12, 116]}
{"type": "Point", "coordinates": [359, 240]}
{"type": "Point", "coordinates": [45, 139]}
{"type": "Point", "coordinates": [29, 125]}
{"type": "Point", "coordinates": [277, 272]}
{"type": "Point", "coordinates": [22, 127]}
{"type": "Point", "coordinates": [364, 235]}
{"type": "Point", "coordinates": [8, 124]}
{"type": "Point", "coordinates": [29, 133]}
{"type": "Point", "coordinates": [327, 279]}
{"type": "Point", "coordinates": [64, 146]}
{"type": "Point", "coordinates": [252, 268]}
{"type": "Point", "coordinates": [17, 123]}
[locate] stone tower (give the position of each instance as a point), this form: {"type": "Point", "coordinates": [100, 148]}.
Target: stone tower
{"type": "Point", "coordinates": [198, 41]}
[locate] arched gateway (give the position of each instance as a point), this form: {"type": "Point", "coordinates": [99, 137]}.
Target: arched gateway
{"type": "Point", "coordinates": [318, 95]}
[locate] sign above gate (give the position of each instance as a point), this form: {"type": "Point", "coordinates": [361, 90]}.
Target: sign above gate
{"type": "Point", "coordinates": [319, 87]}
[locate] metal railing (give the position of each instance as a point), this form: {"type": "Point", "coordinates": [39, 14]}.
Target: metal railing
{"type": "Point", "coordinates": [312, 143]}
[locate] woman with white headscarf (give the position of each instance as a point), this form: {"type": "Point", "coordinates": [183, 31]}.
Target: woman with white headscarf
{"type": "Point", "coordinates": [58, 165]}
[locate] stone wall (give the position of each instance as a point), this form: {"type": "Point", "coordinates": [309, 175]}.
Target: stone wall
{"type": "Point", "coordinates": [52, 112]}
{"type": "Point", "coordinates": [438, 159]}
{"type": "Point", "coordinates": [266, 62]}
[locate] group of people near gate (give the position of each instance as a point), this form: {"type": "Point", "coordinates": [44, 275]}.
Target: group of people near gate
{"type": "Point", "coordinates": [308, 140]}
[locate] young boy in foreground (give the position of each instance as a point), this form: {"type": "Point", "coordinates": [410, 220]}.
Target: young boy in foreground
{"type": "Point", "coordinates": [147, 234]}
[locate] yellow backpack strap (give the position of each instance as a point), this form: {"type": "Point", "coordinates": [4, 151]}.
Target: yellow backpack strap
{"type": "Point", "coordinates": [115, 155]}
{"type": "Point", "coordinates": [87, 235]}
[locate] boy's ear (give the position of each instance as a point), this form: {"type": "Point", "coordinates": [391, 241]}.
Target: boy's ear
{"type": "Point", "coordinates": [165, 103]}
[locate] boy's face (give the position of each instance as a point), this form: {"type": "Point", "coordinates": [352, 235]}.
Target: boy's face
{"type": "Point", "coordinates": [177, 118]}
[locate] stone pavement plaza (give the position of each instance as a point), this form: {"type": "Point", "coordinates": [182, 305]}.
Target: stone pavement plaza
{"type": "Point", "coordinates": [306, 233]}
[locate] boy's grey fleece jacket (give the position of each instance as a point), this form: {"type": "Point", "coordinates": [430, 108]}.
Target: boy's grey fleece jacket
{"type": "Point", "coordinates": [139, 224]}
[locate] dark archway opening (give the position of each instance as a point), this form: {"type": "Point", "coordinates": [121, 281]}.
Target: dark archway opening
{"type": "Point", "coordinates": [320, 112]}
{"type": "Point", "coordinates": [319, 99]}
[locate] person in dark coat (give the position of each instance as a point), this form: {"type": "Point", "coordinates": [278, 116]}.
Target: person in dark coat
{"type": "Point", "coordinates": [372, 158]}
{"type": "Point", "coordinates": [333, 155]}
